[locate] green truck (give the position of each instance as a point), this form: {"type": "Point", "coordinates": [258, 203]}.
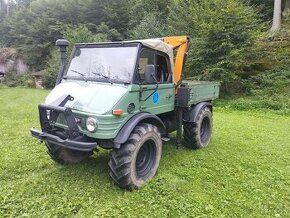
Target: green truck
{"type": "Point", "coordinates": [126, 97]}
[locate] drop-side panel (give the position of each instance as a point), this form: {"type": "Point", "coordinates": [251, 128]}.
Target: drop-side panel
{"type": "Point", "coordinates": [202, 91]}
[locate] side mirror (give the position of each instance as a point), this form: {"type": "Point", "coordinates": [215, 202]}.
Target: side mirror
{"type": "Point", "coordinates": [62, 44]}
{"type": "Point", "coordinates": [150, 74]}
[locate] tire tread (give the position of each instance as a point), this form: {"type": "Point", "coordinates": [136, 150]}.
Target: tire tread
{"type": "Point", "coordinates": [191, 133]}
{"type": "Point", "coordinates": [120, 161]}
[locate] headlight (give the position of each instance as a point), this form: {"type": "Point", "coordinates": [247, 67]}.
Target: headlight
{"type": "Point", "coordinates": [91, 124]}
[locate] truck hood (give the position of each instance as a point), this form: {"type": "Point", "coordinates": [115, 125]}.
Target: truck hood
{"type": "Point", "coordinates": [88, 97]}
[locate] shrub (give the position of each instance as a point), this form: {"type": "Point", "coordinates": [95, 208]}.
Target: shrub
{"type": "Point", "coordinates": [270, 82]}
{"type": "Point", "coordinates": [267, 90]}
{"type": "Point", "coordinates": [52, 69]}
{"type": "Point", "coordinates": [12, 79]}
{"type": "Point", "coordinates": [276, 102]}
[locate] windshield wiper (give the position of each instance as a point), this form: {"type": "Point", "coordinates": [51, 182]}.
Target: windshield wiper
{"type": "Point", "coordinates": [82, 74]}
{"type": "Point", "coordinates": [104, 76]}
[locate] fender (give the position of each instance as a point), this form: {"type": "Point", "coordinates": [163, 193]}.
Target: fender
{"type": "Point", "coordinates": [191, 115]}
{"type": "Point", "coordinates": [126, 130]}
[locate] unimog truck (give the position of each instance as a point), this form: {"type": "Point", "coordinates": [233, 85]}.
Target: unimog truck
{"type": "Point", "coordinates": [127, 97]}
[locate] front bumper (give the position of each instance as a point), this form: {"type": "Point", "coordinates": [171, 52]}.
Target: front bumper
{"type": "Point", "coordinates": [66, 143]}
{"type": "Point", "coordinates": [73, 139]}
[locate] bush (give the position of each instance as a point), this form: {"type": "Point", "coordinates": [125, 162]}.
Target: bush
{"type": "Point", "coordinates": [52, 69]}
{"type": "Point", "coordinates": [268, 90]}
{"type": "Point", "coordinates": [277, 102]}
{"type": "Point", "coordinates": [269, 82]}
{"type": "Point", "coordinates": [12, 79]}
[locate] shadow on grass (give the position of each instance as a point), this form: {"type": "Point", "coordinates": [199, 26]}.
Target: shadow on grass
{"type": "Point", "coordinates": [91, 172]}
{"type": "Point", "coordinates": [94, 172]}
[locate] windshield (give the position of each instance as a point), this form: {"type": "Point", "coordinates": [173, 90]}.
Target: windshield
{"type": "Point", "coordinates": [113, 64]}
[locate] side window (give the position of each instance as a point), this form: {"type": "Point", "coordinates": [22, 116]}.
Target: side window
{"type": "Point", "coordinates": [162, 69]}
{"type": "Point", "coordinates": [146, 57]}
{"type": "Point", "coordinates": [160, 64]}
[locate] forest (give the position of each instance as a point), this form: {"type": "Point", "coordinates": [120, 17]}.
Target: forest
{"type": "Point", "coordinates": [243, 44]}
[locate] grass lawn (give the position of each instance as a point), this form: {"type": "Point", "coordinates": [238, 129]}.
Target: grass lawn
{"type": "Point", "coordinates": [245, 171]}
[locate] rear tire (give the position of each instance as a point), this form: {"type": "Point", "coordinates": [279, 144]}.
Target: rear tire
{"type": "Point", "coordinates": [64, 156]}
{"type": "Point", "coordinates": [197, 134]}
{"type": "Point", "coordinates": [137, 161]}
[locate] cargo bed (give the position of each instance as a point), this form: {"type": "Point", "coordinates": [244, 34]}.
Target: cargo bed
{"type": "Point", "coordinates": [201, 91]}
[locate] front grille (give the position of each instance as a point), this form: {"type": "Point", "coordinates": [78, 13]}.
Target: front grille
{"type": "Point", "coordinates": [81, 121]}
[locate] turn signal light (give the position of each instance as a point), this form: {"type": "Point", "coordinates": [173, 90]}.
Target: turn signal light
{"type": "Point", "coordinates": [118, 112]}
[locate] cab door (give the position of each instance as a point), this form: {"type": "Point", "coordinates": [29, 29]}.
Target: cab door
{"type": "Point", "coordinates": [156, 89]}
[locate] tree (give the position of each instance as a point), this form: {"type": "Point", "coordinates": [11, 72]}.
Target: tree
{"type": "Point", "coordinates": [287, 6]}
{"type": "Point", "coordinates": [22, 2]}
{"type": "Point", "coordinates": [221, 32]}
{"type": "Point", "coordinates": [74, 34]}
{"type": "Point", "coordinates": [4, 7]}
{"type": "Point", "coordinates": [276, 16]}
{"type": "Point", "coordinates": [149, 27]}
{"type": "Point", "coordinates": [264, 7]}
{"type": "Point", "coordinates": [140, 8]}
{"type": "Point", "coordinates": [32, 29]}
{"type": "Point", "coordinates": [115, 14]}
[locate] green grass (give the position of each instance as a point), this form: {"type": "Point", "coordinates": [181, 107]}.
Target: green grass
{"type": "Point", "coordinates": [245, 171]}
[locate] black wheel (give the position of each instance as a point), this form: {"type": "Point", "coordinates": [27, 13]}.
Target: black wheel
{"type": "Point", "coordinates": [137, 161]}
{"type": "Point", "coordinates": [198, 134]}
{"type": "Point", "coordinates": [63, 155]}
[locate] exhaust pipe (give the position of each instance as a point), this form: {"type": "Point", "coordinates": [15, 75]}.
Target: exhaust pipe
{"type": "Point", "coordinates": [62, 44]}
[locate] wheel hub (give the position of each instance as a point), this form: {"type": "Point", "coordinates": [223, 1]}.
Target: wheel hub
{"type": "Point", "coordinates": [205, 129]}
{"type": "Point", "coordinates": [146, 158]}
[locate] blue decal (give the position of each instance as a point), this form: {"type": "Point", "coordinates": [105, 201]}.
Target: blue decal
{"type": "Point", "coordinates": [155, 98]}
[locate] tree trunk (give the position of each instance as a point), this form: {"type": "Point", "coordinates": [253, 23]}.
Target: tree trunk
{"type": "Point", "coordinates": [7, 9]}
{"type": "Point", "coordinates": [287, 6]}
{"type": "Point", "coordinates": [2, 6]}
{"type": "Point", "coordinates": [276, 16]}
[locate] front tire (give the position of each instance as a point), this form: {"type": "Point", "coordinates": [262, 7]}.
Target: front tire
{"type": "Point", "coordinates": [198, 134]}
{"type": "Point", "coordinates": [137, 161]}
{"type": "Point", "coordinates": [64, 156]}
